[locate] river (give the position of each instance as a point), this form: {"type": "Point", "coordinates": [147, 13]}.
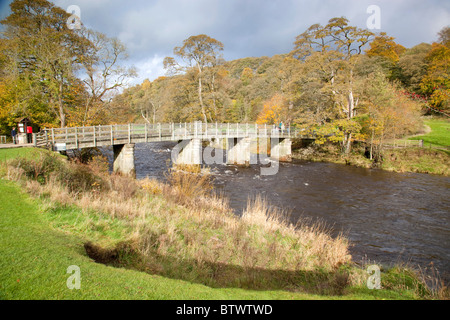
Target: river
{"type": "Point", "coordinates": [388, 217]}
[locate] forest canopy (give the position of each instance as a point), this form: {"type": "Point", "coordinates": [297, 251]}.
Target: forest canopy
{"type": "Point", "coordinates": [337, 78]}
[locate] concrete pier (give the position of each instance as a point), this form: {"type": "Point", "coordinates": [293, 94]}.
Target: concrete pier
{"type": "Point", "coordinates": [238, 151]}
{"type": "Point", "coordinates": [124, 159]}
{"type": "Point", "coordinates": [188, 152]}
{"type": "Point", "coordinates": [281, 149]}
{"type": "Point", "coordinates": [217, 143]}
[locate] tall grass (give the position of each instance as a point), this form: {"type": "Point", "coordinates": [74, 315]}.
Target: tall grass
{"type": "Point", "coordinates": [182, 229]}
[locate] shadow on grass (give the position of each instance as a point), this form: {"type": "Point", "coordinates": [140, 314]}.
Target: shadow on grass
{"type": "Point", "coordinates": [219, 274]}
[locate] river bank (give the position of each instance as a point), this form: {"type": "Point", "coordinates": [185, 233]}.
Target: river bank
{"type": "Point", "coordinates": [433, 157]}
{"type": "Point", "coordinates": [175, 230]}
{"type": "Point", "coordinates": [410, 159]}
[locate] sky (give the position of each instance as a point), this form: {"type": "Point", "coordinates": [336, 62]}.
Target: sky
{"type": "Point", "coordinates": [150, 29]}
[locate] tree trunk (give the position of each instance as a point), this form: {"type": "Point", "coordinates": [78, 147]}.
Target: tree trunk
{"type": "Point", "coordinates": [214, 97]}
{"type": "Point", "coordinates": [371, 145]}
{"type": "Point", "coordinates": [351, 106]}
{"type": "Point", "coordinates": [348, 142]}
{"type": "Point", "coordinates": [200, 98]}
{"type": "Point", "coordinates": [62, 114]}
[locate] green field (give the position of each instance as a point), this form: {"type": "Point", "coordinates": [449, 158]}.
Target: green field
{"type": "Point", "coordinates": [439, 135]}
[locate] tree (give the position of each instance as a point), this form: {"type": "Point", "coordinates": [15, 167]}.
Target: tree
{"type": "Point", "coordinates": [42, 54]}
{"type": "Point", "coordinates": [103, 73]}
{"type": "Point", "coordinates": [385, 46]}
{"type": "Point", "coordinates": [246, 76]}
{"type": "Point", "coordinates": [436, 83]}
{"type": "Point", "coordinates": [334, 50]}
{"type": "Point", "coordinates": [385, 112]}
{"type": "Point", "coordinates": [412, 67]}
{"type": "Point", "coordinates": [274, 111]}
{"type": "Point", "coordinates": [152, 97]}
{"type": "Point", "coordinates": [444, 36]}
{"type": "Point", "coordinates": [198, 52]}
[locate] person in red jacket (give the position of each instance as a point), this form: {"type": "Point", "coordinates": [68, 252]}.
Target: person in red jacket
{"type": "Point", "coordinates": [29, 134]}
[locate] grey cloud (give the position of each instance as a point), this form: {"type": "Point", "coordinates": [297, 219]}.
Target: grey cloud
{"type": "Point", "coordinates": [248, 27]}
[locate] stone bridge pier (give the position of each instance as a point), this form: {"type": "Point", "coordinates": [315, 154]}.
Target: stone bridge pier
{"type": "Point", "coordinates": [190, 152]}
{"type": "Point", "coordinates": [124, 159]}
{"type": "Point", "coordinates": [281, 149]}
{"type": "Point", "coordinates": [238, 151]}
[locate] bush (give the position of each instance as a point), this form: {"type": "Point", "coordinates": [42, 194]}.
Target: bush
{"type": "Point", "coordinates": [79, 178]}
{"type": "Point", "coordinates": [39, 167]}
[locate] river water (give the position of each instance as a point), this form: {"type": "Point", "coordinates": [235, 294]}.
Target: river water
{"type": "Point", "coordinates": [388, 217]}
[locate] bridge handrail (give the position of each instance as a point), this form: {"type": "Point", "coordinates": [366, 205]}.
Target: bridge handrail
{"type": "Point", "coordinates": [163, 131]}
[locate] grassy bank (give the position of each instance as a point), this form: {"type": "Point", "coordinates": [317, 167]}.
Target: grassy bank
{"type": "Point", "coordinates": [143, 239]}
{"type": "Point", "coordinates": [420, 160]}
{"type": "Point", "coordinates": [439, 135]}
{"type": "Point", "coordinates": [410, 159]}
{"type": "Point", "coordinates": [36, 254]}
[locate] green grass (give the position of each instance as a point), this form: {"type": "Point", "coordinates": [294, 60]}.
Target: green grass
{"type": "Point", "coordinates": [439, 135]}
{"type": "Point", "coordinates": [426, 159]}
{"type": "Point", "coordinates": [35, 258]}
{"type": "Point", "coordinates": [11, 153]}
{"type": "Point", "coordinates": [420, 160]}
{"type": "Point", "coordinates": [38, 242]}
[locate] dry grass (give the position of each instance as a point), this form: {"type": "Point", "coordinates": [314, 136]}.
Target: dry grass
{"type": "Point", "coordinates": [309, 245]}
{"type": "Point", "coordinates": [182, 229]}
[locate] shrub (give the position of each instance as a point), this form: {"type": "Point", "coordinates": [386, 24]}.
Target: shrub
{"type": "Point", "coordinates": [39, 167]}
{"type": "Point", "coordinates": [79, 178]}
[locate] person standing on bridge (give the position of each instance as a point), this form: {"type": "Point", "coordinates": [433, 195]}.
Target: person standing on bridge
{"type": "Point", "coordinates": [14, 135]}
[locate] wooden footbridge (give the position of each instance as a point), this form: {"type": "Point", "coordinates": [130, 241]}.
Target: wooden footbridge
{"type": "Point", "coordinates": [189, 135]}
{"type": "Point", "coordinates": [109, 135]}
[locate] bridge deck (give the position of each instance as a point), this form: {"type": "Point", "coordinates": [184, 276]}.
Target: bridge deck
{"type": "Point", "coordinates": [98, 136]}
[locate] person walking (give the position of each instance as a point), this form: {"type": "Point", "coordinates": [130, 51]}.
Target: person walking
{"type": "Point", "coordinates": [14, 135]}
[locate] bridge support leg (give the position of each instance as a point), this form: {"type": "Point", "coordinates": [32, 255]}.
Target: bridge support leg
{"type": "Point", "coordinates": [238, 151]}
{"type": "Point", "coordinates": [188, 152]}
{"type": "Point", "coordinates": [124, 159]}
{"type": "Point", "coordinates": [217, 143]}
{"type": "Point", "coordinates": [281, 149]}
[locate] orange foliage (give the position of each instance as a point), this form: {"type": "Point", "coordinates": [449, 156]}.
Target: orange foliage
{"type": "Point", "coordinates": [273, 111]}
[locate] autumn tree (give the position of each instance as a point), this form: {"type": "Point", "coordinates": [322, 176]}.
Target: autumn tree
{"type": "Point", "coordinates": [436, 82]}
{"type": "Point", "coordinates": [385, 46]}
{"type": "Point", "coordinates": [152, 98]}
{"type": "Point", "coordinates": [104, 74]}
{"type": "Point", "coordinates": [386, 113]}
{"type": "Point", "coordinates": [201, 53]}
{"type": "Point", "coordinates": [444, 36]}
{"type": "Point", "coordinates": [412, 67]}
{"type": "Point", "coordinates": [43, 54]}
{"type": "Point", "coordinates": [334, 50]}
{"type": "Point", "coordinates": [274, 111]}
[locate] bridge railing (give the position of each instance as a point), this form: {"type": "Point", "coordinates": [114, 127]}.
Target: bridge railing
{"type": "Point", "coordinates": [76, 137]}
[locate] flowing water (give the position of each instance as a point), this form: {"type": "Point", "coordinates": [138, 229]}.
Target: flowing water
{"type": "Point", "coordinates": [388, 217]}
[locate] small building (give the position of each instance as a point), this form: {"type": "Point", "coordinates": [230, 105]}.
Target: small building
{"type": "Point", "coordinates": [22, 124]}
